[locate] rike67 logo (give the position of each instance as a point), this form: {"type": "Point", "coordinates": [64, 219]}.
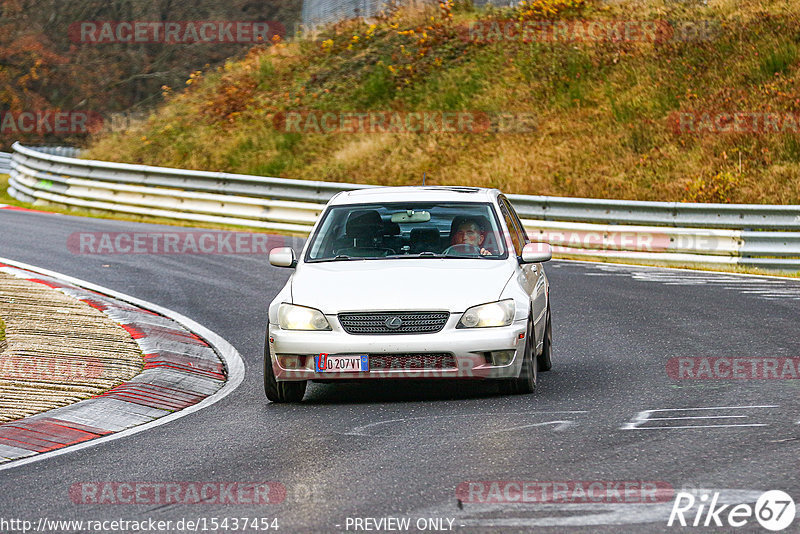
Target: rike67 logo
{"type": "Point", "coordinates": [774, 510]}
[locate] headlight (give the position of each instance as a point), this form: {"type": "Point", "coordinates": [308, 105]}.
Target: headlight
{"type": "Point", "coordinates": [292, 317]}
{"type": "Point", "coordinates": [493, 314]}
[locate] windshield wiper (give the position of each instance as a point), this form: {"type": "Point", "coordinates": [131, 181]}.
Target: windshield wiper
{"type": "Point", "coordinates": [424, 254]}
{"type": "Point", "coordinates": [345, 257]}
{"type": "Point", "coordinates": [411, 256]}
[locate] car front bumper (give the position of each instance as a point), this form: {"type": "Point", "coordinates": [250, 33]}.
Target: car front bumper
{"type": "Point", "coordinates": [471, 349]}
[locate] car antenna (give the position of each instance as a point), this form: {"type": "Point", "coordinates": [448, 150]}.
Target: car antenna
{"type": "Point", "coordinates": [423, 178]}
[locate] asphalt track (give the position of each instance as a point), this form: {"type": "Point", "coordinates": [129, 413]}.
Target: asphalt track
{"type": "Point", "coordinates": [401, 449]}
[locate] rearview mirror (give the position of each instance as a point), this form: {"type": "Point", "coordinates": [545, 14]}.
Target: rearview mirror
{"type": "Point", "coordinates": [411, 216]}
{"type": "Point", "coordinates": [282, 257]}
{"type": "Point", "coordinates": [536, 252]}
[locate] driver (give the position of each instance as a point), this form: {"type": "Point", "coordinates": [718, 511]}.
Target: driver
{"type": "Point", "coordinates": [470, 232]}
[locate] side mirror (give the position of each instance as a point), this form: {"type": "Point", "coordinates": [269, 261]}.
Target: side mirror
{"type": "Point", "coordinates": [536, 252]}
{"type": "Point", "coordinates": [282, 257]}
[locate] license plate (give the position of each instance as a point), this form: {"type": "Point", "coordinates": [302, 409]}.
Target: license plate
{"type": "Point", "coordinates": [326, 363]}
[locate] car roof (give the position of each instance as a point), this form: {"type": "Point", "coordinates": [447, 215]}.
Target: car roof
{"type": "Point", "coordinates": [421, 193]}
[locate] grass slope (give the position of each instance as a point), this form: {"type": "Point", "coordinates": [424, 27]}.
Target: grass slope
{"type": "Point", "coordinates": [605, 110]}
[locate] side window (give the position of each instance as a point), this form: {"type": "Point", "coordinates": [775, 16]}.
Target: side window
{"type": "Point", "coordinates": [512, 227]}
{"type": "Point", "coordinates": [521, 229]}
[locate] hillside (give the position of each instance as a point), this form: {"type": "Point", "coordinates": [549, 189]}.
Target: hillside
{"type": "Point", "coordinates": [675, 101]}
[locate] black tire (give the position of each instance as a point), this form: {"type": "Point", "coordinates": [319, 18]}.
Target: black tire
{"type": "Point", "coordinates": [526, 381]}
{"type": "Point", "coordinates": [544, 360]}
{"type": "Point", "coordinates": [280, 391]}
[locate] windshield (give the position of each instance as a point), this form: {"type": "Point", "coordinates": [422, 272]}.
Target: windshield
{"type": "Point", "coordinates": [408, 230]}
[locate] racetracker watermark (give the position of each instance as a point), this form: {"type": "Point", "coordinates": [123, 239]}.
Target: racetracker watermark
{"type": "Point", "coordinates": [734, 122]}
{"type": "Point", "coordinates": [175, 32]}
{"type": "Point", "coordinates": [162, 493]}
{"type": "Point", "coordinates": [565, 491]}
{"type": "Point", "coordinates": [590, 31]}
{"type": "Point", "coordinates": [411, 122]}
{"type": "Point", "coordinates": [564, 241]}
{"type": "Point", "coordinates": [726, 368]}
{"type": "Point", "coordinates": [145, 524]}
{"type": "Point", "coordinates": [49, 122]}
{"type": "Point", "coordinates": [18, 367]}
{"type": "Point", "coordinates": [175, 243]}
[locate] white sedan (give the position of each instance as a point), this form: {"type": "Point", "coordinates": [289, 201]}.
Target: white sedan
{"type": "Point", "coordinates": [411, 282]}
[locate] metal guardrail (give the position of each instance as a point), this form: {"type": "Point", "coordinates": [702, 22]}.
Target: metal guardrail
{"type": "Point", "coordinates": [5, 162]}
{"type": "Point", "coordinates": [675, 233]}
{"type": "Point", "coordinates": [736, 216]}
{"type": "Point", "coordinates": [321, 12]}
{"type": "Point", "coordinates": [211, 182]}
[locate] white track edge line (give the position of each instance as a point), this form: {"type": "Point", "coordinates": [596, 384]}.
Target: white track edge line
{"type": "Point", "coordinates": [231, 357]}
{"type": "Point", "coordinates": [678, 269]}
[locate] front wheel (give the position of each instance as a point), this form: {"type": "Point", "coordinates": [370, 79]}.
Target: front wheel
{"type": "Point", "coordinates": [280, 391]}
{"type": "Point", "coordinates": [544, 359]}
{"type": "Point", "coordinates": [526, 381]}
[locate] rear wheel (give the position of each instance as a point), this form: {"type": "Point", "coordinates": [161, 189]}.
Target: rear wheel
{"type": "Point", "coordinates": [544, 362]}
{"type": "Point", "coordinates": [526, 381]}
{"type": "Point", "coordinates": [280, 391]}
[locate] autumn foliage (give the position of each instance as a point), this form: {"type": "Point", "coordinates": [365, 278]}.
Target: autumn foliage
{"type": "Point", "coordinates": [42, 68]}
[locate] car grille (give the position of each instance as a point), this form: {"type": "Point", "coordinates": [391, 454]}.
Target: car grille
{"type": "Point", "coordinates": [411, 361]}
{"type": "Point", "coordinates": [375, 323]}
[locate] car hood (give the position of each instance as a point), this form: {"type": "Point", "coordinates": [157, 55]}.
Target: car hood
{"type": "Point", "coordinates": [402, 284]}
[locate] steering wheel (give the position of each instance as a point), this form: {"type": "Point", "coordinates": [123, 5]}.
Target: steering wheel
{"type": "Point", "coordinates": [462, 248]}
